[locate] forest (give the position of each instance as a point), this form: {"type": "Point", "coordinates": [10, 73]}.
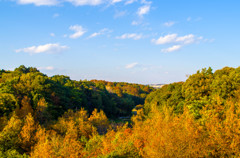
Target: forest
{"type": "Point", "coordinates": [57, 117]}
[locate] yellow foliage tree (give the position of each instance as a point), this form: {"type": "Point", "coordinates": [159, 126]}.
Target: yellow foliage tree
{"type": "Point", "coordinates": [27, 133]}
{"type": "Point", "coordinates": [41, 110]}
{"type": "Point", "coordinates": [43, 147]}
{"type": "Point", "coordinates": [71, 147]}
{"type": "Point", "coordinates": [9, 135]}
{"type": "Point", "coordinates": [99, 120]}
{"type": "Point", "coordinates": [25, 108]}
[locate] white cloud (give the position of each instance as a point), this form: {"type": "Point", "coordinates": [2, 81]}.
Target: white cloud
{"type": "Point", "coordinates": [194, 19]}
{"type": "Point", "coordinates": [39, 2]}
{"type": "Point", "coordinates": [79, 31]}
{"type": "Point", "coordinates": [94, 34]}
{"type": "Point", "coordinates": [49, 68]}
{"type": "Point", "coordinates": [136, 23]}
{"type": "Point", "coordinates": [177, 41]}
{"type": "Point", "coordinates": [169, 24]}
{"type": "Point", "coordinates": [47, 48]}
{"type": "Point", "coordinates": [56, 2]}
{"type": "Point", "coordinates": [209, 40]}
{"type": "Point", "coordinates": [165, 39]}
{"type": "Point", "coordinates": [116, 1]}
{"type": "Point", "coordinates": [85, 2]}
{"type": "Point", "coordinates": [130, 36]}
{"type": "Point", "coordinates": [101, 32]}
{"type": "Point", "coordinates": [143, 10]}
{"type": "Point", "coordinates": [132, 65]}
{"type": "Point", "coordinates": [119, 14]}
{"type": "Point", "coordinates": [55, 15]}
{"type": "Point", "coordinates": [188, 39]}
{"type": "Point", "coordinates": [130, 2]}
{"type": "Point", "coordinates": [142, 67]}
{"type": "Point", "coordinates": [81, 2]}
{"type": "Point", "coordinates": [171, 49]}
{"type": "Point", "coordinates": [146, 2]}
{"type": "Point", "coordinates": [52, 34]}
{"type": "Point", "coordinates": [173, 38]}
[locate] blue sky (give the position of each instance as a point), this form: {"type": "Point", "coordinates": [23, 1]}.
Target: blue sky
{"type": "Point", "coordinates": [138, 41]}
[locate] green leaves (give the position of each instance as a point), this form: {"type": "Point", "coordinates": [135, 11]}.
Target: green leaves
{"type": "Point", "coordinates": [199, 90]}
{"type": "Point", "coordinates": [8, 103]}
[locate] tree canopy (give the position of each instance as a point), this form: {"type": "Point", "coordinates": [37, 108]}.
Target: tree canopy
{"type": "Point", "coordinates": [55, 116]}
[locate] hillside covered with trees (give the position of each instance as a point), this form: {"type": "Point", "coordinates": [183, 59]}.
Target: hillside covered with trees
{"type": "Point", "coordinates": [27, 90]}
{"type": "Point", "coordinates": [45, 116]}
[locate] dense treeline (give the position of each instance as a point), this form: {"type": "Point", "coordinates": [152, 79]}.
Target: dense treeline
{"type": "Point", "coordinates": [28, 90]}
{"type": "Point", "coordinates": [200, 89]}
{"type": "Point", "coordinates": [196, 118]}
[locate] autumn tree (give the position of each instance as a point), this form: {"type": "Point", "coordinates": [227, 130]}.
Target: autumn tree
{"type": "Point", "coordinates": [9, 139]}
{"type": "Point", "coordinates": [27, 133]}
{"type": "Point", "coordinates": [25, 109]}
{"type": "Point", "coordinates": [99, 120]}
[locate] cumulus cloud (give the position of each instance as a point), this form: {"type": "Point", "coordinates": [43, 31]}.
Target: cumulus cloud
{"type": "Point", "coordinates": [94, 34]}
{"type": "Point", "coordinates": [143, 10]}
{"type": "Point", "coordinates": [171, 49]}
{"type": "Point", "coordinates": [130, 2]}
{"type": "Point", "coordinates": [188, 39]}
{"type": "Point", "coordinates": [50, 48]}
{"type": "Point", "coordinates": [169, 24]}
{"type": "Point", "coordinates": [39, 2]}
{"type": "Point", "coordinates": [101, 32]}
{"type": "Point", "coordinates": [132, 65]}
{"type": "Point", "coordinates": [177, 41]}
{"type": "Point", "coordinates": [130, 36]}
{"type": "Point", "coordinates": [173, 38]}
{"type": "Point", "coordinates": [79, 31]}
{"type": "Point", "coordinates": [78, 2]}
{"type": "Point", "coordinates": [56, 2]}
{"type": "Point", "coordinates": [116, 1]}
{"type": "Point", "coordinates": [146, 2]}
{"type": "Point", "coordinates": [52, 34]}
{"type": "Point", "coordinates": [165, 39]}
